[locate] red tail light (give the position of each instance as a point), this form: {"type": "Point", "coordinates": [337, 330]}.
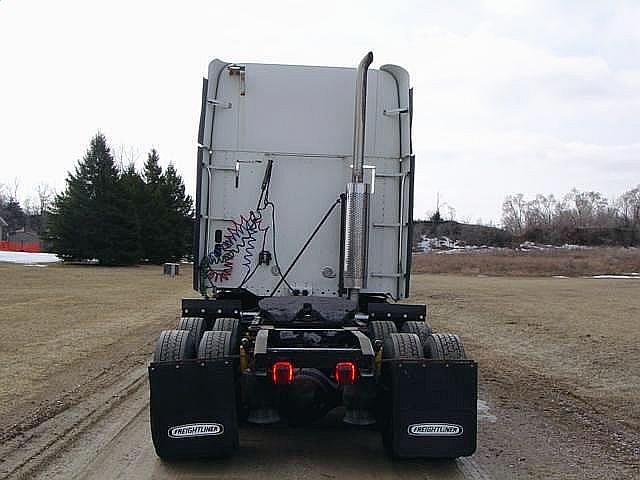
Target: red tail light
{"type": "Point", "coordinates": [282, 373]}
{"type": "Point", "coordinates": [346, 373]}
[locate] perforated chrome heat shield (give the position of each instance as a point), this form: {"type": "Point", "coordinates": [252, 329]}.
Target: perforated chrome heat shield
{"type": "Point", "coordinates": [356, 232]}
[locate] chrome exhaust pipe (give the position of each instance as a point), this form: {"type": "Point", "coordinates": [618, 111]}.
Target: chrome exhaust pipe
{"type": "Point", "coordinates": [356, 235]}
{"type": "Point", "coordinates": [359, 118]}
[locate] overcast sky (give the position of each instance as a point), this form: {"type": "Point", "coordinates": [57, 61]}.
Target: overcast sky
{"type": "Point", "coordinates": [510, 96]}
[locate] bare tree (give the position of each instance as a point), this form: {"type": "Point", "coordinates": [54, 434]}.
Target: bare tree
{"type": "Point", "coordinates": [4, 195]}
{"type": "Point", "coordinates": [581, 216]}
{"type": "Point", "coordinates": [629, 210]}
{"type": "Point", "coordinates": [126, 155]}
{"type": "Point", "coordinates": [15, 187]}
{"type": "Point", "coordinates": [451, 212]}
{"type": "Point", "coordinates": [513, 213]}
{"type": "Point", "coordinates": [589, 208]}
{"type": "Point", "coordinates": [629, 206]}
{"type": "Point", "coordinates": [45, 197]}
{"type": "Point", "coordinates": [30, 207]}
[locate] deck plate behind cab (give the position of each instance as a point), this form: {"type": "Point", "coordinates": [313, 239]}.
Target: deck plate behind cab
{"type": "Point", "coordinates": [329, 310]}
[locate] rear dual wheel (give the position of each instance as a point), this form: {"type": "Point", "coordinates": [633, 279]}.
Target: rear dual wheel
{"type": "Point", "coordinates": [436, 346]}
{"type": "Point", "coordinates": [422, 329]}
{"type": "Point", "coordinates": [380, 330]}
{"type": "Point", "coordinates": [214, 345]}
{"type": "Point", "coordinates": [196, 325]}
{"type": "Point", "coordinates": [231, 325]}
{"type": "Point", "coordinates": [175, 345]}
{"type": "Point", "coordinates": [190, 340]}
{"type": "Point", "coordinates": [444, 346]}
{"type": "Point", "coordinates": [405, 346]}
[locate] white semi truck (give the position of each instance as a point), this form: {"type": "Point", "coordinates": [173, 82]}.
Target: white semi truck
{"type": "Point", "coordinates": [302, 251]}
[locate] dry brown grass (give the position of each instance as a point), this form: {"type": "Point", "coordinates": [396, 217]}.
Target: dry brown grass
{"type": "Point", "coordinates": [580, 333]}
{"type": "Point", "coordinates": [62, 326]}
{"type": "Point", "coordinates": [571, 263]}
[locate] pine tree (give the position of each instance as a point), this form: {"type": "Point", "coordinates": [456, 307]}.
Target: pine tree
{"type": "Point", "coordinates": [134, 197]}
{"type": "Point", "coordinates": [92, 217]}
{"type": "Point", "coordinates": [152, 169]}
{"type": "Point", "coordinates": [155, 222]}
{"type": "Point", "coordinates": [13, 214]}
{"type": "Point", "coordinates": [166, 224]}
{"type": "Point", "coordinates": [180, 213]}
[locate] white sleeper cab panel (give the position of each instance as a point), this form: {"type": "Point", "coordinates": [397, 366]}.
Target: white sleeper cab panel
{"type": "Point", "coordinates": [297, 122]}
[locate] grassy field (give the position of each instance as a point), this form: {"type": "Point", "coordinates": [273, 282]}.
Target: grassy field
{"type": "Point", "coordinates": [59, 318]}
{"type": "Point", "coordinates": [571, 263]}
{"type": "Point", "coordinates": [63, 327]}
{"type": "Point", "coordinates": [581, 334]}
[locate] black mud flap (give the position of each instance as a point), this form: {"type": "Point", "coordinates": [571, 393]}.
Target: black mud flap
{"type": "Point", "coordinates": [430, 408]}
{"type": "Point", "coordinates": [193, 408]}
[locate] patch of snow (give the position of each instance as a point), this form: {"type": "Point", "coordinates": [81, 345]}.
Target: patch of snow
{"type": "Point", "coordinates": [616, 276]}
{"type": "Point", "coordinates": [426, 244]}
{"type": "Point", "coordinates": [526, 246]}
{"type": "Point", "coordinates": [559, 276]}
{"type": "Point", "coordinates": [28, 258]}
{"type": "Point", "coordinates": [568, 246]}
{"type": "Point", "coordinates": [36, 265]}
{"type": "Point", "coordinates": [445, 245]}
{"type": "Point", "coordinates": [483, 412]}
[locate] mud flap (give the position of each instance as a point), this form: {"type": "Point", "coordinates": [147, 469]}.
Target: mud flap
{"type": "Point", "coordinates": [193, 408]}
{"type": "Point", "coordinates": [430, 408]}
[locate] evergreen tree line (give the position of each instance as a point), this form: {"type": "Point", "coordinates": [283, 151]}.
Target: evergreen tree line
{"type": "Point", "coordinates": [586, 218]}
{"type": "Point", "coordinates": [118, 215]}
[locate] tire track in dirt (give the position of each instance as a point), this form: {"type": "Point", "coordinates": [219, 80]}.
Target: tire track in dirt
{"type": "Point", "coordinates": [107, 436]}
{"type": "Point", "coordinates": [24, 455]}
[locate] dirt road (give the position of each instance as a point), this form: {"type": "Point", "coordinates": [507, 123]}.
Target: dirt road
{"type": "Point", "coordinates": [558, 362]}
{"type": "Point", "coordinates": [118, 445]}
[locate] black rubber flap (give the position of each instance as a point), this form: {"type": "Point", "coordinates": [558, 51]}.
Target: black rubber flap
{"type": "Point", "coordinates": [433, 411]}
{"type": "Point", "coordinates": [193, 409]}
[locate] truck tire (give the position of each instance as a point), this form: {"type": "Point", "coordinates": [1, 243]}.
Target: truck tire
{"type": "Point", "coordinates": [380, 330]}
{"type": "Point", "coordinates": [422, 329]}
{"type": "Point", "coordinates": [229, 325]}
{"type": "Point", "coordinates": [404, 346]}
{"type": "Point", "coordinates": [195, 324]}
{"type": "Point", "coordinates": [444, 346]}
{"type": "Point", "coordinates": [175, 345]}
{"type": "Point", "coordinates": [214, 345]}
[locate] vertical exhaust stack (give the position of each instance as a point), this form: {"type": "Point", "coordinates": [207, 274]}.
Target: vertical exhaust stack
{"type": "Point", "coordinates": [356, 239]}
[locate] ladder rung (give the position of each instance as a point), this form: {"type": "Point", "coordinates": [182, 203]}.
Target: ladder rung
{"type": "Point", "coordinates": [390, 174]}
{"type": "Point", "coordinates": [387, 225]}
